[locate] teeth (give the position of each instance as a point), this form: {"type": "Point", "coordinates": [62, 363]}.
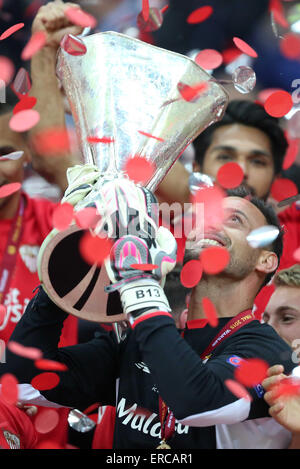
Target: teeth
{"type": "Point", "coordinates": [210, 241]}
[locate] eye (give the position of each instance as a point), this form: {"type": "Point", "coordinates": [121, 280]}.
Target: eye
{"type": "Point", "coordinates": [258, 162]}
{"type": "Point", "coordinates": [287, 319]}
{"type": "Point", "coordinates": [234, 218]}
{"type": "Point", "coordinates": [224, 157]}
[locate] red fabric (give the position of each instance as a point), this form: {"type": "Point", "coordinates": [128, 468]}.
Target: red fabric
{"type": "Point", "coordinates": [16, 427]}
{"type": "Point", "coordinates": [36, 226]}
{"type": "Point", "coordinates": [104, 432]}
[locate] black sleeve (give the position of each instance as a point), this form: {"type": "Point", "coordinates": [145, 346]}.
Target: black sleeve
{"type": "Point", "coordinates": [196, 392]}
{"type": "Point", "coordinates": [92, 367]}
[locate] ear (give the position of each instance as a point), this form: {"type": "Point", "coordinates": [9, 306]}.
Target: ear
{"type": "Point", "coordinates": [267, 262]}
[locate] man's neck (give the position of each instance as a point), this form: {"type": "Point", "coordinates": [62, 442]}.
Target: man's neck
{"type": "Point", "coordinates": [229, 297]}
{"type": "Point", "coordinates": [9, 208]}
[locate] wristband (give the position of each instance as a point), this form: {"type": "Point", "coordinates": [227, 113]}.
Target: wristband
{"type": "Point", "coordinates": [141, 294]}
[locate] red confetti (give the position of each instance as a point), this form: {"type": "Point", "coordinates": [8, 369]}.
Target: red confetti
{"type": "Point", "coordinates": [62, 216]}
{"type": "Point", "coordinates": [9, 388]}
{"type": "Point", "coordinates": [28, 352]}
{"type": "Point", "coordinates": [94, 249]}
{"type": "Point", "coordinates": [283, 188]}
{"type": "Point", "coordinates": [53, 141]}
{"type": "Point", "coordinates": [80, 18]}
{"type": "Point", "coordinates": [210, 200]}
{"type": "Point", "coordinates": [9, 189]}
{"type": "Point", "coordinates": [24, 120]}
{"type": "Point", "coordinates": [164, 9]}
{"type": "Point", "coordinates": [209, 59]}
{"type": "Point", "coordinates": [210, 312]}
{"type": "Point", "coordinates": [7, 69]}
{"type": "Point", "coordinates": [264, 94]}
{"type": "Point", "coordinates": [46, 420]}
{"type": "Point", "coordinates": [244, 47]}
{"type": "Point", "coordinates": [296, 255]}
{"type": "Point", "coordinates": [230, 175]}
{"type": "Point", "coordinates": [34, 45]}
{"type": "Point", "coordinates": [191, 93]}
{"type": "Point", "coordinates": [191, 273]}
{"type": "Point", "coordinates": [144, 266]}
{"type": "Point", "coordinates": [2, 316]}
{"type": "Point", "coordinates": [92, 407]}
{"type": "Point", "coordinates": [151, 136]}
{"type": "Point", "coordinates": [45, 381]}
{"type": "Point", "coordinates": [26, 102]}
{"type": "Point", "coordinates": [73, 45]}
{"type": "Point", "coordinates": [199, 15]}
{"type": "Point", "coordinates": [44, 364]}
{"type": "Point", "coordinates": [87, 218]}
{"type": "Point", "coordinates": [145, 9]}
{"type": "Point", "coordinates": [214, 259]}
{"type": "Point", "coordinates": [11, 31]}
{"type": "Point", "coordinates": [290, 46]}
{"type": "Point", "coordinates": [139, 169]}
{"type": "Point", "coordinates": [262, 299]}
{"type": "Point", "coordinates": [237, 389]}
{"type": "Point", "coordinates": [291, 154]}
{"type": "Point", "coordinates": [278, 104]}
{"type": "Point", "coordinates": [100, 140]}
{"type": "Point", "coordinates": [276, 8]}
{"type": "Point", "coordinates": [230, 54]}
{"type": "Point", "coordinates": [251, 371]}
{"type": "Point", "coordinates": [287, 388]}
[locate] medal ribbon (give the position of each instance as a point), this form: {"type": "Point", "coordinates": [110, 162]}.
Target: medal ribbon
{"type": "Point", "coordinates": [9, 260]}
{"type": "Point", "coordinates": [167, 419]}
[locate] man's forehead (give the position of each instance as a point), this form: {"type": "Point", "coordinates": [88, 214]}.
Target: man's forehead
{"type": "Point", "coordinates": [252, 213]}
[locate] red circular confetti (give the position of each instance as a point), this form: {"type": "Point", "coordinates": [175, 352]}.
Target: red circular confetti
{"type": "Point", "coordinates": [2, 316]}
{"type": "Point", "coordinates": [164, 9]}
{"type": "Point", "coordinates": [251, 371]}
{"type": "Point", "coordinates": [264, 94]}
{"type": "Point", "coordinates": [80, 18]}
{"type": "Point", "coordinates": [208, 202]}
{"type": "Point", "coordinates": [214, 259]}
{"type": "Point", "coordinates": [62, 216]}
{"type": "Point", "coordinates": [191, 273]}
{"type": "Point", "coordinates": [45, 381]}
{"type": "Point", "coordinates": [24, 120]}
{"type": "Point", "coordinates": [9, 388]}
{"type": "Point", "coordinates": [27, 352]}
{"type": "Point", "coordinates": [291, 153]}
{"type": "Point", "coordinates": [191, 93]}
{"type": "Point", "coordinates": [87, 218]}
{"type": "Point", "coordinates": [278, 104]}
{"type": "Point", "coordinates": [45, 364]}
{"type": "Point", "coordinates": [94, 249]}
{"type": "Point", "coordinates": [139, 169]}
{"type": "Point", "coordinates": [92, 407]}
{"type": "Point", "coordinates": [73, 45]}
{"type": "Point", "coordinates": [9, 189]}
{"type": "Point", "coordinates": [290, 46]}
{"type": "Point", "coordinates": [296, 255]}
{"type": "Point", "coordinates": [11, 31]}
{"type": "Point", "coordinates": [100, 140]}
{"type": "Point", "coordinates": [26, 102]}
{"type": "Point", "coordinates": [7, 69]}
{"type": "Point", "coordinates": [209, 59]}
{"type": "Point", "coordinates": [144, 266]}
{"type": "Point", "coordinates": [35, 43]}
{"type": "Point", "coordinates": [237, 389]}
{"type": "Point", "coordinates": [244, 47]}
{"type": "Point", "coordinates": [230, 175]}
{"type": "Point", "coordinates": [145, 9]}
{"type": "Point", "coordinates": [199, 15]}
{"type": "Point", "coordinates": [151, 136]}
{"type": "Point", "coordinates": [286, 388]}
{"type": "Point", "coordinates": [230, 54]}
{"type": "Point", "coordinates": [46, 420]}
{"type": "Point", "coordinates": [277, 9]}
{"type": "Point", "coordinates": [283, 188]}
{"type": "Point", "coordinates": [210, 312]}
{"type": "Point", "coordinates": [53, 141]}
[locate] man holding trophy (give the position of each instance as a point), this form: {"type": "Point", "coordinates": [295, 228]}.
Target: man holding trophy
{"type": "Point", "coordinates": [169, 389]}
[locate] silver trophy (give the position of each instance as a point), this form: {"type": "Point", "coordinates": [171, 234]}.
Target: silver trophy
{"type": "Point", "coordinates": [128, 91]}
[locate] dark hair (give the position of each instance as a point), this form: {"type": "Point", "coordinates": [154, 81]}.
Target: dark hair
{"type": "Point", "coordinates": [268, 212]}
{"type": "Point", "coordinates": [250, 114]}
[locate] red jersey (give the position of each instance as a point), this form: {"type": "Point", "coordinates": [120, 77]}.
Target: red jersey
{"type": "Point", "coordinates": [16, 428]}
{"type": "Point", "coordinates": [36, 223]}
